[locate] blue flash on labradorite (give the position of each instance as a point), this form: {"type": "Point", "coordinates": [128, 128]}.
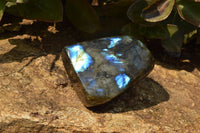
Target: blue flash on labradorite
{"type": "Point", "coordinates": [79, 58]}
{"type": "Point", "coordinates": [122, 80]}
{"type": "Point", "coordinates": [114, 41]}
{"type": "Point", "coordinates": [111, 58]}
{"type": "Point", "coordinates": [106, 67]}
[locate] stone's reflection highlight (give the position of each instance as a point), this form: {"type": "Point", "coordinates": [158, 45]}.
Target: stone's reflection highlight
{"type": "Point", "coordinates": [114, 42]}
{"type": "Point", "coordinates": [106, 67]}
{"type": "Point", "coordinates": [105, 49]}
{"type": "Point", "coordinates": [122, 80]}
{"type": "Point", "coordinates": [111, 58]}
{"type": "Point", "coordinates": [100, 92]}
{"type": "Point", "coordinates": [80, 59]}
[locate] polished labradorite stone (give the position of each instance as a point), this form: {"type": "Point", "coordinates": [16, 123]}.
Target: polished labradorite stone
{"type": "Point", "coordinates": [106, 67]}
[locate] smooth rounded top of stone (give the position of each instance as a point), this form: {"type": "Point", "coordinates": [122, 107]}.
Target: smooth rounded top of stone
{"type": "Point", "coordinates": [106, 67]}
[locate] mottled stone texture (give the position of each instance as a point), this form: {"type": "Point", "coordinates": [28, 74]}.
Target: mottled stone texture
{"type": "Point", "coordinates": [106, 67]}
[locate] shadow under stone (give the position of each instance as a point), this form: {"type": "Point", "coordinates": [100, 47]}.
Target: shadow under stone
{"type": "Point", "coordinates": [144, 94]}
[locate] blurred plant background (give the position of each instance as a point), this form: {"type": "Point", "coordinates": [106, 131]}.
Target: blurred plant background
{"type": "Point", "coordinates": [171, 24]}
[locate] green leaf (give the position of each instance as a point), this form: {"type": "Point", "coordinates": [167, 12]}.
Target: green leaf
{"type": "Point", "coordinates": [154, 32]}
{"type": "Point", "coordinates": [10, 4]}
{"type": "Point", "coordinates": [189, 11]}
{"type": "Point", "coordinates": [82, 15]}
{"type": "Point", "coordinates": [175, 19]}
{"type": "Point", "coordinates": [135, 10]}
{"type": "Point", "coordinates": [45, 10]}
{"type": "Point", "coordinates": [174, 43]}
{"type": "Point", "coordinates": [158, 10]}
{"type": "Point", "coordinates": [18, 1]}
{"type": "Point", "coordinates": [11, 7]}
{"type": "Point", "coordinates": [188, 36]}
{"type": "Point", "coordinates": [172, 29]}
{"type": "Point", "coordinates": [112, 10]}
{"type": "Point", "coordinates": [186, 27]}
{"type": "Point", "coordinates": [194, 0]}
{"type": "Point", "coordinates": [2, 8]}
{"type": "Point", "coordinates": [132, 29]}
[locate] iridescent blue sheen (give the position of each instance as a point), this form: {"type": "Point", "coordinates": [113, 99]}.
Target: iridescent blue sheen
{"type": "Point", "coordinates": [100, 92]}
{"type": "Point", "coordinates": [112, 59]}
{"type": "Point", "coordinates": [105, 49]}
{"type": "Point", "coordinates": [106, 67]}
{"type": "Point", "coordinates": [80, 59]}
{"type": "Point", "coordinates": [119, 54]}
{"type": "Point", "coordinates": [121, 69]}
{"type": "Point", "coordinates": [122, 80]}
{"type": "Point", "coordinates": [114, 41]}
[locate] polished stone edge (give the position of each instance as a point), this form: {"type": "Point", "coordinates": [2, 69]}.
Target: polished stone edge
{"type": "Point", "coordinates": [82, 94]}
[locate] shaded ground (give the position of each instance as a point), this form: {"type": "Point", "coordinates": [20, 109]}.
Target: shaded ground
{"type": "Point", "coordinates": [37, 96]}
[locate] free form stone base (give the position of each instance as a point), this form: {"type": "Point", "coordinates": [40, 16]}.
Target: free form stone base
{"type": "Point", "coordinates": [106, 67]}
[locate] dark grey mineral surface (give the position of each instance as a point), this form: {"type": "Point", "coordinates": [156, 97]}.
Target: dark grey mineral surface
{"type": "Point", "coordinates": [106, 67]}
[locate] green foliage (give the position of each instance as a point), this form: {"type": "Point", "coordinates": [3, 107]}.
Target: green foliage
{"type": "Point", "coordinates": [189, 11]}
{"type": "Point", "coordinates": [171, 21]}
{"type": "Point", "coordinates": [17, 1]}
{"type": "Point", "coordinates": [159, 31]}
{"type": "Point", "coordinates": [157, 10]}
{"type": "Point", "coordinates": [164, 12]}
{"type": "Point", "coordinates": [2, 7]}
{"type": "Point", "coordinates": [174, 42]}
{"type": "Point", "coordinates": [46, 10]}
{"type": "Point", "coordinates": [82, 15]}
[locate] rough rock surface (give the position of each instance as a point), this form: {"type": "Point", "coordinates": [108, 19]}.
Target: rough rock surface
{"type": "Point", "coordinates": [37, 96]}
